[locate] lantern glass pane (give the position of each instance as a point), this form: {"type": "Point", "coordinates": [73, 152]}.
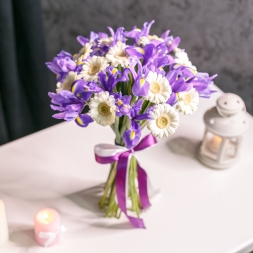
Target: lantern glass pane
{"type": "Point", "coordinates": [210, 146]}
{"type": "Point", "coordinates": [232, 148]}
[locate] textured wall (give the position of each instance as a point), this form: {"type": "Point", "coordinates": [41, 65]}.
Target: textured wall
{"type": "Point", "coordinates": [217, 34]}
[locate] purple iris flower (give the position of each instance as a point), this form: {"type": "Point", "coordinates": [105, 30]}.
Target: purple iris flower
{"type": "Point", "coordinates": [93, 37]}
{"type": "Point", "coordinates": [155, 57]}
{"type": "Point", "coordinates": [134, 113]}
{"type": "Point", "coordinates": [82, 40]}
{"type": "Point", "coordinates": [136, 33]}
{"type": "Point", "coordinates": [109, 81]}
{"type": "Point", "coordinates": [165, 35]}
{"type": "Point", "coordinates": [61, 65]}
{"type": "Point", "coordinates": [70, 107]}
{"type": "Point", "coordinates": [83, 90]}
{"type": "Point", "coordinates": [203, 84]}
{"type": "Point", "coordinates": [107, 84]}
{"type": "Point", "coordinates": [140, 86]}
{"type": "Point", "coordinates": [83, 120]}
{"type": "Point", "coordinates": [179, 82]}
{"type": "Point", "coordinates": [117, 36]}
{"type": "Point", "coordinates": [123, 105]}
{"type": "Point", "coordinates": [67, 103]}
{"type": "Point", "coordinates": [172, 43]}
{"type": "Point", "coordinates": [135, 51]}
{"type": "Point", "coordinates": [131, 137]}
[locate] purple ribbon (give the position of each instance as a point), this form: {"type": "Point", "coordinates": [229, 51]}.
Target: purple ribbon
{"type": "Point", "coordinates": [121, 175]}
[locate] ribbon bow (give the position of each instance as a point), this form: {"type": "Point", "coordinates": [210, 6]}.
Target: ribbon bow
{"type": "Point", "coordinates": [107, 153]}
{"type": "Point", "coordinates": [51, 236]}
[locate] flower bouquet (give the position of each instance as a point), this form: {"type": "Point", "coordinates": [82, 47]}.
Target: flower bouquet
{"type": "Point", "coordinates": [127, 86]}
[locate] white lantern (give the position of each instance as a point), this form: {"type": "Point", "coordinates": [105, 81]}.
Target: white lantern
{"type": "Point", "coordinates": [225, 125]}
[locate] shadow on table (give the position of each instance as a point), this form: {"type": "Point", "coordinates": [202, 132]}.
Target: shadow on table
{"type": "Point", "coordinates": [23, 238]}
{"type": "Point", "coordinates": [88, 199]}
{"type": "Point", "coordinates": [183, 146]}
{"type": "Point", "coordinates": [123, 226]}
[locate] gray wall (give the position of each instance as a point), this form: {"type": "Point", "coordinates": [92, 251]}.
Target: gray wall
{"type": "Point", "coordinates": [217, 34]}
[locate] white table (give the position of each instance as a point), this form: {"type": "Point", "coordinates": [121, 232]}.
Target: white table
{"type": "Point", "coordinates": [200, 210]}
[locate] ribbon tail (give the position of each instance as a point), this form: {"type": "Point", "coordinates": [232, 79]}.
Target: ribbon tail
{"type": "Point", "coordinates": [121, 175]}
{"type": "Point", "coordinates": [143, 187]}
{"type": "Point", "coordinates": [50, 241]}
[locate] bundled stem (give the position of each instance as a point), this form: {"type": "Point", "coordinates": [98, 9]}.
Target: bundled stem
{"type": "Point", "coordinates": [108, 200]}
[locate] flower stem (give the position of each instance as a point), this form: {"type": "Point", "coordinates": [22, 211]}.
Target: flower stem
{"type": "Point", "coordinates": [108, 185]}
{"type": "Point", "coordinates": [112, 202]}
{"type": "Point", "coordinates": [108, 200]}
{"type": "Point", "coordinates": [132, 186]}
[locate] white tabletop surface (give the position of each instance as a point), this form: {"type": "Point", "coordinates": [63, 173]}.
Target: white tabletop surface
{"type": "Point", "coordinates": [199, 210]}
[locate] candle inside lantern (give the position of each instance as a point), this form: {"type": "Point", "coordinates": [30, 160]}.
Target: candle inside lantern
{"type": "Point", "coordinates": [47, 227]}
{"type": "Point", "coordinates": [214, 144]}
{"type": "Point", "coordinates": [4, 234]}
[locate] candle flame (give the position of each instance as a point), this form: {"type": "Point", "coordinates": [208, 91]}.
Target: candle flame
{"type": "Point", "coordinates": [46, 216]}
{"type": "Point", "coordinates": [215, 143]}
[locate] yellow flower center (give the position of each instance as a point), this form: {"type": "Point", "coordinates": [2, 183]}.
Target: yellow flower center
{"type": "Point", "coordinates": [121, 54]}
{"type": "Point", "coordinates": [163, 121]}
{"type": "Point", "coordinates": [187, 99]}
{"type": "Point", "coordinates": [104, 109]}
{"type": "Point", "coordinates": [155, 87]}
{"type": "Point", "coordinates": [94, 69]}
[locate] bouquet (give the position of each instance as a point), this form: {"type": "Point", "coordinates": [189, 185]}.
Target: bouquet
{"type": "Point", "coordinates": [127, 80]}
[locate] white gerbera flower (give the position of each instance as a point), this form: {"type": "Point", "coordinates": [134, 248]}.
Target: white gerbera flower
{"type": "Point", "coordinates": [102, 108]}
{"type": "Point", "coordinates": [67, 81]}
{"type": "Point", "coordinates": [143, 40]}
{"type": "Point", "coordinates": [105, 41]}
{"type": "Point", "coordinates": [92, 67]}
{"type": "Point", "coordinates": [183, 60]}
{"type": "Point", "coordinates": [83, 53]}
{"type": "Point", "coordinates": [117, 55]}
{"type": "Point", "coordinates": [187, 101]}
{"type": "Point", "coordinates": [159, 88]}
{"type": "Point", "coordinates": [165, 120]}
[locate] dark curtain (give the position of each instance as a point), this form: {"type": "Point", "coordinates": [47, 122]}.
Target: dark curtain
{"type": "Point", "coordinates": [24, 80]}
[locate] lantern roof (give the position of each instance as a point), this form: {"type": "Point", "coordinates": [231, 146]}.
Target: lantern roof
{"type": "Point", "coordinates": [229, 118]}
{"type": "Point", "coordinates": [230, 104]}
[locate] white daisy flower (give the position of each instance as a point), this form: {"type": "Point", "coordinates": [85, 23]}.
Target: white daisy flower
{"type": "Point", "coordinates": [187, 101]}
{"type": "Point", "coordinates": [117, 55]}
{"type": "Point", "coordinates": [159, 88]}
{"type": "Point", "coordinates": [143, 40]}
{"type": "Point", "coordinates": [165, 120]}
{"type": "Point", "coordinates": [183, 60]}
{"type": "Point", "coordinates": [102, 108]}
{"type": "Point", "coordinates": [83, 53]}
{"type": "Point", "coordinates": [92, 67]}
{"type": "Point", "coordinates": [106, 41]}
{"type": "Point", "coordinates": [67, 81]}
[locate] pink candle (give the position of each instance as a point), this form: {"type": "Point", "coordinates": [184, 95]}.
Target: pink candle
{"type": "Point", "coordinates": [47, 227]}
